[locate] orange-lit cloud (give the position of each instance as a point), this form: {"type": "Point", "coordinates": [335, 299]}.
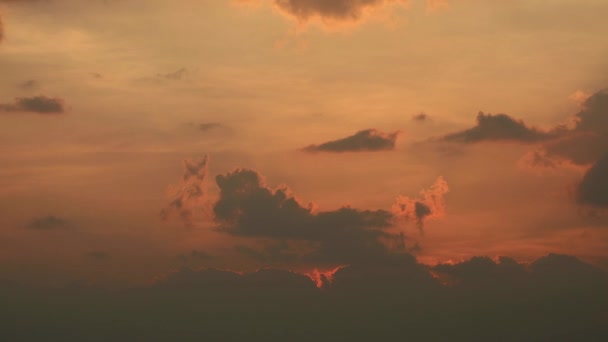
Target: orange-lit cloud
{"type": "Point", "coordinates": [430, 204]}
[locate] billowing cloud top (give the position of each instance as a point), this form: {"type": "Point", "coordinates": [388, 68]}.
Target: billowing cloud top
{"type": "Point", "coordinates": [366, 140]}
{"type": "Point", "coordinates": [247, 207]}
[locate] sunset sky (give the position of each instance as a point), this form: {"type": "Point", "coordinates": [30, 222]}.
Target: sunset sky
{"type": "Point", "coordinates": [341, 130]}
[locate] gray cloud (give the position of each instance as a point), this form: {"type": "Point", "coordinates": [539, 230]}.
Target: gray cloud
{"type": "Point", "coordinates": [208, 126]}
{"type": "Point", "coordinates": [588, 140]}
{"type": "Point", "coordinates": [37, 104]}
{"type": "Point", "coordinates": [336, 10]}
{"type": "Point", "coordinates": [593, 189]}
{"type": "Point", "coordinates": [48, 223]}
{"type": "Point", "coordinates": [422, 117]}
{"type": "Point", "coordinates": [366, 140]}
{"type": "Point", "coordinates": [247, 207]}
{"type": "Point", "coordinates": [499, 127]}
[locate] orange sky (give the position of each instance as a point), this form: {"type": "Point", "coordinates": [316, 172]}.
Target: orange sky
{"type": "Point", "coordinates": [102, 101]}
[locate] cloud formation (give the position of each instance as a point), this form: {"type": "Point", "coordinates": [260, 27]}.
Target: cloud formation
{"type": "Point", "coordinates": [587, 141]}
{"type": "Point", "coordinates": [593, 189]}
{"type": "Point", "coordinates": [248, 207]}
{"type": "Point", "coordinates": [499, 127]}
{"type": "Point", "coordinates": [37, 104]}
{"type": "Point", "coordinates": [556, 297]}
{"type": "Point", "coordinates": [330, 11]}
{"type": "Point", "coordinates": [189, 194]}
{"type": "Point", "coordinates": [362, 141]}
{"type": "Point", "coordinates": [429, 204]}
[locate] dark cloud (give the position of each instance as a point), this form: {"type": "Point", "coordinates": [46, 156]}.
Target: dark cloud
{"type": "Point", "coordinates": [422, 117]}
{"type": "Point", "coordinates": [208, 126]}
{"type": "Point", "coordinates": [247, 207]}
{"type": "Point", "coordinates": [37, 104]}
{"type": "Point", "coordinates": [593, 189]}
{"type": "Point", "coordinates": [48, 223]}
{"type": "Point", "coordinates": [594, 116]}
{"type": "Point", "coordinates": [336, 10]}
{"type": "Point", "coordinates": [499, 127]}
{"type": "Point", "coordinates": [367, 140]}
{"type": "Point", "coordinates": [555, 298]}
{"type": "Point", "coordinates": [189, 194]}
{"type": "Point", "coordinates": [588, 140]}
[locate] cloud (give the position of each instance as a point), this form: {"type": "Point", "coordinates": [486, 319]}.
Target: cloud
{"type": "Point", "coordinates": [189, 195]}
{"type": "Point", "coordinates": [478, 299]}
{"type": "Point", "coordinates": [248, 207]}
{"type": "Point", "coordinates": [331, 11]}
{"type": "Point", "coordinates": [499, 127]}
{"type": "Point", "coordinates": [48, 223]}
{"type": "Point", "coordinates": [594, 116]}
{"type": "Point", "coordinates": [587, 141]}
{"type": "Point", "coordinates": [429, 204]}
{"type": "Point", "coordinates": [422, 117]}
{"type": "Point", "coordinates": [593, 189]}
{"type": "Point", "coordinates": [208, 126]}
{"type": "Point", "coordinates": [366, 140]}
{"type": "Point", "coordinates": [29, 84]}
{"type": "Point", "coordinates": [38, 104]}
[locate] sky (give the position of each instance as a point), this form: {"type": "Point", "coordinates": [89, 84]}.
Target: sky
{"type": "Point", "coordinates": [138, 138]}
{"type": "Point", "coordinates": [210, 146]}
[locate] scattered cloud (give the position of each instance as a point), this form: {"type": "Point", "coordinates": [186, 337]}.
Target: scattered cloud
{"type": "Point", "coordinates": [499, 127]}
{"type": "Point", "coordinates": [38, 104]}
{"type": "Point", "coordinates": [48, 223]}
{"type": "Point", "coordinates": [189, 195]}
{"type": "Point", "coordinates": [422, 117]}
{"type": "Point", "coordinates": [29, 84]}
{"type": "Point", "coordinates": [429, 204]}
{"type": "Point", "coordinates": [362, 141]}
